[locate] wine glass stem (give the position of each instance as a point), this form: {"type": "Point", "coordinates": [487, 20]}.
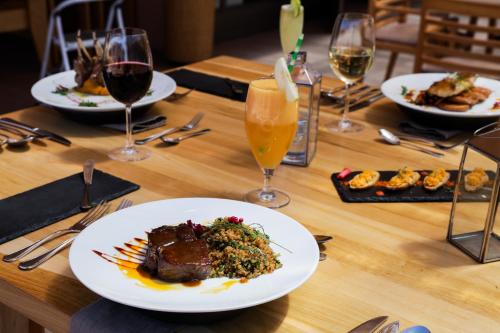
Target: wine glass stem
{"type": "Point", "coordinates": [345, 120]}
{"type": "Point", "coordinates": [129, 144]}
{"type": "Point", "coordinates": [267, 193]}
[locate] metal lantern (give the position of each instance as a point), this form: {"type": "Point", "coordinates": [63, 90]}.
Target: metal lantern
{"type": "Point", "coordinates": [475, 201]}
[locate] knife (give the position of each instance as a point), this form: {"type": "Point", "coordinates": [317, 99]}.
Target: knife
{"type": "Point", "coordinates": [88, 171]}
{"type": "Point", "coordinates": [35, 130]}
{"type": "Point", "coordinates": [369, 326]}
{"type": "Point", "coordinates": [365, 103]}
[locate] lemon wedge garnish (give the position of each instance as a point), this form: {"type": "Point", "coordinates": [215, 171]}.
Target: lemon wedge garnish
{"type": "Point", "coordinates": [284, 80]}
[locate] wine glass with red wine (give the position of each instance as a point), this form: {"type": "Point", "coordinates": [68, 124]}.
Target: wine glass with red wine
{"type": "Point", "coordinates": [127, 72]}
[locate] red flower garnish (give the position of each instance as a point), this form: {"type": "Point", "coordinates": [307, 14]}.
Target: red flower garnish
{"type": "Point", "coordinates": [344, 173]}
{"type": "Point", "coordinates": [235, 220]}
{"type": "Point", "coordinates": [197, 228]}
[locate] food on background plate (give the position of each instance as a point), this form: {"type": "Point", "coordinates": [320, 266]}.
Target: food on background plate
{"type": "Point", "coordinates": [455, 92]}
{"type": "Point", "coordinates": [436, 179]}
{"type": "Point", "coordinates": [88, 69]}
{"type": "Point", "coordinates": [227, 247]}
{"type": "Point", "coordinates": [405, 178]}
{"type": "Point", "coordinates": [475, 180]}
{"type": "Point", "coordinates": [363, 180]}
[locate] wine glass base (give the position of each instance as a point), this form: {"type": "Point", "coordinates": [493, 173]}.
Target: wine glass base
{"type": "Point", "coordinates": [273, 199]}
{"type": "Point", "coordinates": [132, 154]}
{"type": "Point", "coordinates": [345, 126]}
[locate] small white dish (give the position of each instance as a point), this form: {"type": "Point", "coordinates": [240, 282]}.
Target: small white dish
{"type": "Point", "coordinates": [392, 89]}
{"type": "Point", "coordinates": [43, 91]}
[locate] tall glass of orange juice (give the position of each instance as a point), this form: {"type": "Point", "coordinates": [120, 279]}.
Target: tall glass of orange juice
{"type": "Point", "coordinates": [271, 121]}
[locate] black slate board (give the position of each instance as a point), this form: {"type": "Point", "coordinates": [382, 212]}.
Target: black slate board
{"type": "Point", "coordinates": [36, 208]}
{"type": "Point", "coordinates": [412, 194]}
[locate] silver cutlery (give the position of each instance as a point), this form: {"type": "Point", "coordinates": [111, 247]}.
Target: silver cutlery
{"type": "Point", "coordinates": [176, 96]}
{"type": "Point", "coordinates": [320, 239]}
{"type": "Point", "coordinates": [97, 211]}
{"type": "Point", "coordinates": [327, 93]}
{"type": "Point", "coordinates": [366, 102]}
{"type": "Point", "coordinates": [369, 326]}
{"type": "Point", "coordinates": [177, 140]}
{"type": "Point", "coordinates": [431, 142]}
{"type": "Point", "coordinates": [37, 261]}
{"type": "Point", "coordinates": [15, 131]}
{"type": "Point", "coordinates": [35, 130]}
{"type": "Point", "coordinates": [416, 329]}
{"type": "Point", "coordinates": [187, 127]}
{"type": "Point", "coordinates": [7, 140]}
{"type": "Point", "coordinates": [88, 171]}
{"type": "Point", "coordinates": [390, 328]}
{"type": "Point", "coordinates": [361, 92]}
{"type": "Point", "coordinates": [370, 97]}
{"type": "Point", "coordinates": [394, 140]}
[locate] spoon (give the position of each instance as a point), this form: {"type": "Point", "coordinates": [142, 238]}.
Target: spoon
{"type": "Point", "coordinates": [25, 138]}
{"type": "Point", "coordinates": [394, 140]}
{"type": "Point", "coordinates": [177, 140]}
{"type": "Point", "coordinates": [416, 329]}
{"type": "Point", "coordinates": [5, 140]}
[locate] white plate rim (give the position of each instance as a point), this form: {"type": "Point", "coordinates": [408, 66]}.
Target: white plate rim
{"type": "Point", "coordinates": [161, 78]}
{"type": "Point", "coordinates": [314, 260]}
{"type": "Point", "coordinates": [387, 90]}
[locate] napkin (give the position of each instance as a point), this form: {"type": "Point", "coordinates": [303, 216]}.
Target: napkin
{"type": "Point", "coordinates": [105, 316]}
{"type": "Point", "coordinates": [47, 204]}
{"type": "Point", "coordinates": [433, 133]}
{"type": "Point", "coordinates": [140, 123]}
{"type": "Point", "coordinates": [214, 85]}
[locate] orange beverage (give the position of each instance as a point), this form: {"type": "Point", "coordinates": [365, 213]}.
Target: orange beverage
{"type": "Point", "coordinates": [271, 122]}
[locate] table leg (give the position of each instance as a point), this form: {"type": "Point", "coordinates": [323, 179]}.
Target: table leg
{"type": "Point", "coordinates": [37, 13]}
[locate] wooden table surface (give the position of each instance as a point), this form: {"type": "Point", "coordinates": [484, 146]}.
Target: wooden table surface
{"type": "Point", "coordinates": [385, 259]}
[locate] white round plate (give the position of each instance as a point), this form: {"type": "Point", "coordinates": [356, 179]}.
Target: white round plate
{"type": "Point", "coordinates": [43, 91]}
{"type": "Point", "coordinates": [392, 89]}
{"type": "Point", "coordinates": [106, 279]}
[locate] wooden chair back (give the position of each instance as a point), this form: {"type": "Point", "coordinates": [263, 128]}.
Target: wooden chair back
{"type": "Point", "coordinates": [389, 11]}
{"type": "Point", "coordinates": [469, 40]}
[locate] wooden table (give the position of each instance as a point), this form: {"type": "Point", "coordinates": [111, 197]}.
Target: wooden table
{"type": "Point", "coordinates": [387, 259]}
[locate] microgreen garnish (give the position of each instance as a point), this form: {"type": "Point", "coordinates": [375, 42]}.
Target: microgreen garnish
{"type": "Point", "coordinates": [61, 90]}
{"type": "Point", "coordinates": [404, 90]}
{"type": "Point", "coordinates": [87, 104]}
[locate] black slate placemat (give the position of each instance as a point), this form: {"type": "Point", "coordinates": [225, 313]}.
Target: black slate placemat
{"type": "Point", "coordinates": [413, 194]}
{"type": "Point", "coordinates": [214, 85]}
{"type": "Point", "coordinates": [34, 209]}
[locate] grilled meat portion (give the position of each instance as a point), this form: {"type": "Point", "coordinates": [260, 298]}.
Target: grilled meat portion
{"type": "Point", "coordinates": [156, 238]}
{"type": "Point", "coordinates": [184, 261]}
{"type": "Point", "coordinates": [452, 85]}
{"type": "Point", "coordinates": [175, 254]}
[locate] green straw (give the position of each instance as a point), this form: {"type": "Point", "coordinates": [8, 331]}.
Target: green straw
{"type": "Point", "coordinates": [295, 52]}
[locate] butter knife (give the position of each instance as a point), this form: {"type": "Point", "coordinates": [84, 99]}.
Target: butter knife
{"type": "Point", "coordinates": [35, 130]}
{"type": "Point", "coordinates": [369, 326]}
{"type": "Point", "coordinates": [88, 171]}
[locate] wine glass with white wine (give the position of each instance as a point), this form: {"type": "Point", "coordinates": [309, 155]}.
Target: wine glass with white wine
{"type": "Point", "coordinates": [350, 55]}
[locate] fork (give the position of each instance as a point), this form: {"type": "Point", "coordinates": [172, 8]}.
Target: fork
{"type": "Point", "coordinates": [373, 93]}
{"type": "Point", "coordinates": [340, 99]}
{"type": "Point", "coordinates": [37, 261]}
{"type": "Point", "coordinates": [431, 142]}
{"type": "Point", "coordinates": [187, 127]}
{"type": "Point", "coordinates": [77, 227]}
{"type": "Point", "coordinates": [177, 140]}
{"type": "Point", "coordinates": [175, 96]}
